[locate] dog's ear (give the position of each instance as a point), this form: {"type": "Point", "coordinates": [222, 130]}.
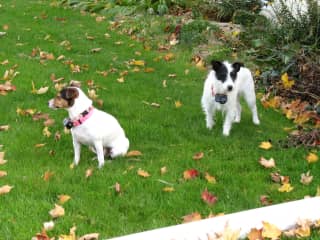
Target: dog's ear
{"type": "Point", "coordinates": [216, 65]}
{"type": "Point", "coordinates": [237, 65]}
{"type": "Point", "coordinates": [69, 93]}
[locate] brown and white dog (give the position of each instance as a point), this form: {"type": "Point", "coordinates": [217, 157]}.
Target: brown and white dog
{"type": "Point", "coordinates": [90, 126]}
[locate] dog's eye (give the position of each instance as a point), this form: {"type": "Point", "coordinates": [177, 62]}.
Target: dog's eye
{"type": "Point", "coordinates": [233, 75]}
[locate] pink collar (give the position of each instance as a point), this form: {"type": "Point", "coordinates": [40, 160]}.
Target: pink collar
{"type": "Point", "coordinates": [84, 117]}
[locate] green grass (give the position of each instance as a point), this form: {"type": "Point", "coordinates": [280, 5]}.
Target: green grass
{"type": "Point", "coordinates": [167, 136]}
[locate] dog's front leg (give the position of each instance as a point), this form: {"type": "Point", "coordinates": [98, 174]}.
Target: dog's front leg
{"type": "Point", "coordinates": [100, 152]}
{"type": "Point", "coordinates": [230, 115]}
{"type": "Point", "coordinates": [76, 149]}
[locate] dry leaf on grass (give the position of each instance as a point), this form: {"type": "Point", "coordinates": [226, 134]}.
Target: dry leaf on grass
{"type": "Point", "coordinates": [89, 172]}
{"type": "Point", "coordinates": [270, 231]}
{"type": "Point", "coordinates": [208, 197]}
{"type": "Point", "coordinates": [198, 156]}
{"type": "Point", "coordinates": [285, 188]}
{"type": "Point", "coordinates": [267, 163]}
{"type": "Point", "coordinates": [255, 234]}
{"type": "Point", "coordinates": [63, 198]}
{"type": "Point", "coordinates": [265, 145]}
{"type": "Point", "coordinates": [5, 189]}
{"type": "Point", "coordinates": [57, 211]}
{"type": "Point", "coordinates": [48, 225]}
{"type": "Point", "coordinates": [134, 153]}
{"type": "Point", "coordinates": [3, 174]}
{"type": "Point", "coordinates": [306, 178]}
{"type": "Point", "coordinates": [190, 174]}
{"type": "Point", "coordinates": [192, 217]}
{"type": "Point", "coordinates": [117, 187]}
{"type": "Point", "coordinates": [143, 173]}
{"type": "Point", "coordinates": [168, 189]}
{"type": "Point", "coordinates": [90, 236]}
{"type": "Point", "coordinates": [312, 157]}
{"type": "Point", "coordinates": [209, 178]}
{"type": "Point", "coordinates": [47, 175]}
{"type": "Point", "coordinates": [4, 128]}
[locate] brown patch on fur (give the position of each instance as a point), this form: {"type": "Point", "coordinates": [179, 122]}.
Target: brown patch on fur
{"type": "Point", "coordinates": [65, 98]}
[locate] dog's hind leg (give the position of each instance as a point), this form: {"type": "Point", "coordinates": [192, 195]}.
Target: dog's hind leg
{"type": "Point", "coordinates": [250, 98]}
{"type": "Point", "coordinates": [77, 150]}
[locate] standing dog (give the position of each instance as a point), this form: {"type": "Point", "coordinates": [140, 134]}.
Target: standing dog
{"type": "Point", "coordinates": [90, 126]}
{"type": "Point", "coordinates": [224, 86]}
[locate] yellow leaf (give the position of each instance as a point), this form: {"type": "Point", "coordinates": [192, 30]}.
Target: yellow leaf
{"type": "Point", "coordinates": [265, 145]}
{"type": "Point", "coordinates": [168, 189]}
{"type": "Point", "coordinates": [63, 199]}
{"type": "Point", "coordinates": [57, 211]}
{"type": "Point", "coordinates": [312, 158]}
{"type": "Point", "coordinates": [5, 189]}
{"type": "Point", "coordinates": [4, 128]}
{"type": "Point", "coordinates": [285, 188]}
{"type": "Point", "coordinates": [42, 90]}
{"type": "Point", "coordinates": [210, 179]}
{"type": "Point", "coordinates": [270, 231]}
{"type": "Point", "coordinates": [134, 153]}
{"type": "Point", "coordinates": [2, 161]}
{"type": "Point", "coordinates": [46, 132]}
{"type": "Point", "coordinates": [89, 172]}
{"type": "Point", "coordinates": [120, 80]}
{"type": "Point", "coordinates": [163, 170]}
{"type": "Point", "coordinates": [287, 84]}
{"type": "Point", "coordinates": [178, 104]}
{"type": "Point", "coordinates": [143, 173]}
{"type": "Point", "coordinates": [137, 62]}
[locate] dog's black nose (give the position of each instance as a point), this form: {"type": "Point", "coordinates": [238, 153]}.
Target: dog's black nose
{"type": "Point", "coordinates": [230, 88]}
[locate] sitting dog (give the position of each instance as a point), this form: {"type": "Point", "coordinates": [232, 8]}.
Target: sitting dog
{"type": "Point", "coordinates": [224, 86]}
{"type": "Point", "coordinates": [90, 126]}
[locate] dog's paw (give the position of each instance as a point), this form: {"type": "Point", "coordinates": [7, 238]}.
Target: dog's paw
{"type": "Point", "coordinates": [256, 121]}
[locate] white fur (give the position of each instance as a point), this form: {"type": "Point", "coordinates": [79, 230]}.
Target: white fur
{"type": "Point", "coordinates": [242, 86]}
{"type": "Point", "coordinates": [100, 131]}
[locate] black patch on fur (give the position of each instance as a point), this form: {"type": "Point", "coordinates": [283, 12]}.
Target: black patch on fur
{"type": "Point", "coordinates": [220, 70]}
{"type": "Point", "coordinates": [236, 68]}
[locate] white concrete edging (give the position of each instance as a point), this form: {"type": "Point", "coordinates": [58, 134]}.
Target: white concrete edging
{"type": "Point", "coordinates": [284, 216]}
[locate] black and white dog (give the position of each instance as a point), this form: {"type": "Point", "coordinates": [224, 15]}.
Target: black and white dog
{"type": "Point", "coordinates": [224, 86]}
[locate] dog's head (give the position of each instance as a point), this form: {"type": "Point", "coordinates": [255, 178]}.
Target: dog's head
{"type": "Point", "coordinates": [226, 75]}
{"type": "Point", "coordinates": [68, 97]}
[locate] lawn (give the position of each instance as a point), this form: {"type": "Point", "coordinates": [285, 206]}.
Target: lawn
{"type": "Point", "coordinates": [168, 133]}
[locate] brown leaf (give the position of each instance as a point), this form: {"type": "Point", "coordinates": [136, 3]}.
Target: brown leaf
{"type": "Point", "coordinates": [190, 174]}
{"type": "Point", "coordinates": [57, 211]}
{"type": "Point", "coordinates": [265, 200]}
{"type": "Point", "coordinates": [192, 217]}
{"type": "Point", "coordinates": [208, 197]}
{"type": "Point", "coordinates": [143, 173]}
{"type": "Point", "coordinates": [134, 153]}
{"type": "Point", "coordinates": [4, 128]}
{"type": "Point", "coordinates": [255, 234]}
{"type": "Point", "coordinates": [198, 156]}
{"type": "Point", "coordinates": [275, 177]}
{"type": "Point", "coordinates": [306, 178]}
{"type": "Point", "coordinates": [90, 236]}
{"type": "Point", "coordinates": [267, 163]}
{"type": "Point", "coordinates": [5, 189]}
{"type": "Point", "coordinates": [117, 187]}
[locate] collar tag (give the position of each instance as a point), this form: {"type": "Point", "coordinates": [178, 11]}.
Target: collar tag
{"type": "Point", "coordinates": [67, 123]}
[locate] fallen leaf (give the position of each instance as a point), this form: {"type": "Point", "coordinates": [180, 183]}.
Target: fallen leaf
{"type": "Point", "coordinates": [228, 233]}
{"type": "Point", "coordinates": [287, 84]}
{"type": "Point", "coordinates": [208, 197]}
{"type": "Point", "coordinates": [4, 128]}
{"type": "Point", "coordinates": [318, 192]}
{"type": "Point", "coordinates": [57, 211]}
{"type": "Point", "coordinates": [163, 170]}
{"type": "Point", "coordinates": [90, 236]}
{"type": "Point", "coordinates": [48, 226]}
{"type": "Point", "coordinates": [265, 145]}
{"type": "Point", "coordinates": [270, 231]}
{"type": "Point", "coordinates": [46, 132]}
{"type": "Point", "coordinates": [312, 158]}
{"type": "Point", "coordinates": [265, 200]}
{"type": "Point", "coordinates": [2, 161]}
{"type": "Point", "coordinates": [267, 163]}
{"type": "Point", "coordinates": [192, 217]}
{"type": "Point", "coordinates": [306, 178]}
{"type": "Point", "coordinates": [117, 187]}
{"type": "Point", "coordinates": [286, 188]}
{"type": "Point", "coordinates": [47, 175]}
{"type": "Point", "coordinates": [303, 230]}
{"type": "Point", "coordinates": [63, 198]}
{"type": "Point", "coordinates": [210, 179]}
{"type": "Point", "coordinates": [89, 172]}
{"type": "Point", "coordinates": [198, 156]}
{"type": "Point", "coordinates": [143, 173]}
{"type": "Point", "coordinates": [190, 174]}
{"type": "Point", "coordinates": [134, 153]}
{"type": "Point", "coordinates": [3, 174]}
{"type": "Point", "coordinates": [95, 50]}
{"type": "Point", "coordinates": [168, 189]}
{"type": "Point", "coordinates": [255, 234]}
{"type": "Point", "coordinates": [137, 63]}
{"type": "Point", "coordinates": [5, 189]}
{"type": "Point", "coordinates": [275, 177]}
